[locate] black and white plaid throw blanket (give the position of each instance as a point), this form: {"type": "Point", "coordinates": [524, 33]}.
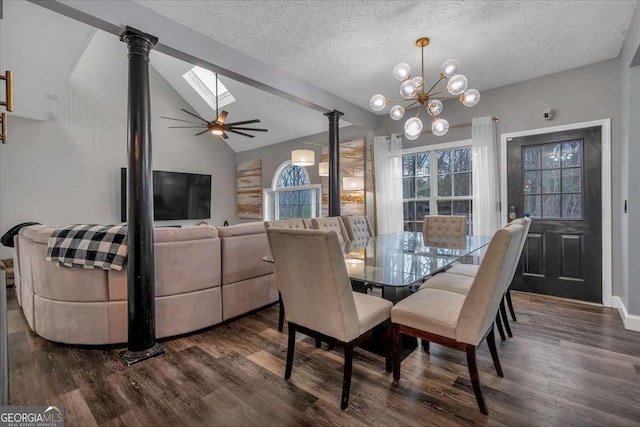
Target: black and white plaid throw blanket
{"type": "Point", "coordinates": [89, 246]}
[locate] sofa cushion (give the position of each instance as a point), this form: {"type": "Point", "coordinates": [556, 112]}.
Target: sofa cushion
{"type": "Point", "coordinates": [54, 282]}
{"type": "Point", "coordinates": [187, 266]}
{"type": "Point", "coordinates": [37, 233]}
{"type": "Point", "coordinates": [242, 297]}
{"type": "Point", "coordinates": [242, 229]}
{"type": "Point", "coordinates": [172, 234]}
{"type": "Point", "coordinates": [243, 247]}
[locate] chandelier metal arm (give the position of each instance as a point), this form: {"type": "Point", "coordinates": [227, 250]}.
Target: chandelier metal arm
{"type": "Point", "coordinates": [434, 85]}
{"type": "Point", "coordinates": [444, 98]}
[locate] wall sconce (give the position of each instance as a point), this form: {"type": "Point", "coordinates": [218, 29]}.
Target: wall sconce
{"type": "Point", "coordinates": [353, 183]}
{"type": "Point", "coordinates": [8, 85]}
{"type": "Point", "coordinates": [3, 128]}
{"type": "Point", "coordinates": [323, 168]}
{"type": "Point", "coordinates": [303, 157]}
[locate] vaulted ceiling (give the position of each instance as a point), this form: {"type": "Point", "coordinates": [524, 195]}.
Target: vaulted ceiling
{"type": "Point", "coordinates": [339, 51]}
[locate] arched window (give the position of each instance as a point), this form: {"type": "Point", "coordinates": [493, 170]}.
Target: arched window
{"type": "Point", "coordinates": [291, 194]}
{"type": "Point", "coordinates": [293, 176]}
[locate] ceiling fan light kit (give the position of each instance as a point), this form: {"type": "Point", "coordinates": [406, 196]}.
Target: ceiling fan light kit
{"type": "Point", "coordinates": [218, 127]}
{"type": "Point", "coordinates": [412, 90]}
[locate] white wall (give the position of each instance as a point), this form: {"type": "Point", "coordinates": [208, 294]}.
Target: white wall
{"type": "Point", "coordinates": [67, 170]}
{"type": "Point", "coordinates": [629, 132]}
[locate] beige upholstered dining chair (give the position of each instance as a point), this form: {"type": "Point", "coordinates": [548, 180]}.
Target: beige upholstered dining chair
{"type": "Point", "coordinates": [461, 321]}
{"type": "Point", "coordinates": [358, 227]}
{"type": "Point", "coordinates": [296, 223]}
{"type": "Point", "coordinates": [331, 223]}
{"type": "Point", "coordinates": [444, 225]}
{"type": "Point", "coordinates": [470, 270]}
{"type": "Point", "coordinates": [312, 277]}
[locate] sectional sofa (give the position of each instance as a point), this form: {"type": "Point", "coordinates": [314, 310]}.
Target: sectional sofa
{"type": "Point", "coordinates": [204, 276]}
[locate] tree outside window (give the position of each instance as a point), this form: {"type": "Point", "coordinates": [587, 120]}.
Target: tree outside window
{"type": "Point", "coordinates": [292, 195]}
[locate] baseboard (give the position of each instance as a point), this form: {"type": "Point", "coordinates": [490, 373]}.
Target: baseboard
{"type": "Point", "coordinates": [631, 321]}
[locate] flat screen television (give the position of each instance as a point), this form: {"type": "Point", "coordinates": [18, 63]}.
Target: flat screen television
{"type": "Point", "coordinates": [176, 195]}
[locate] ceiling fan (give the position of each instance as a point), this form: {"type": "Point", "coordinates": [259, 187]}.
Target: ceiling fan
{"type": "Point", "coordinates": [218, 127]}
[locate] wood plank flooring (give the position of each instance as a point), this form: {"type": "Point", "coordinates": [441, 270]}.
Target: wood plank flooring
{"type": "Point", "coordinates": [568, 364]}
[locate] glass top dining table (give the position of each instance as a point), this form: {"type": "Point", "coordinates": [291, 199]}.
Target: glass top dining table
{"type": "Point", "coordinates": [405, 258]}
{"type": "Point", "coordinates": [399, 260]}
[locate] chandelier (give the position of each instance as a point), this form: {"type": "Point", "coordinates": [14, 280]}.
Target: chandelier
{"type": "Point", "coordinates": [412, 90]}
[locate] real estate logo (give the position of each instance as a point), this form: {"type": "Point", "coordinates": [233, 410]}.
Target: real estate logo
{"type": "Point", "coordinates": [31, 416]}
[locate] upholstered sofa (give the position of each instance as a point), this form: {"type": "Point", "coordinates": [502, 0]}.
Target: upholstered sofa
{"type": "Point", "coordinates": [247, 281]}
{"type": "Point", "coordinates": [201, 280]}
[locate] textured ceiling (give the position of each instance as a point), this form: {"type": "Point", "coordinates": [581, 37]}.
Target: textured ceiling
{"type": "Point", "coordinates": [349, 48]}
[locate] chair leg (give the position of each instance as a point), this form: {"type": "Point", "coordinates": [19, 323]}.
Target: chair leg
{"type": "Point", "coordinates": [505, 319]}
{"type": "Point", "coordinates": [499, 325]}
{"type": "Point", "coordinates": [281, 314]}
{"type": "Point", "coordinates": [395, 333]}
{"type": "Point", "coordinates": [290, 349]}
{"type": "Point", "coordinates": [346, 380]}
{"type": "Point", "coordinates": [425, 345]}
{"type": "Point", "coordinates": [510, 304]}
{"type": "Point", "coordinates": [475, 378]}
{"type": "Point", "coordinates": [491, 342]}
{"type": "Point", "coordinates": [388, 349]}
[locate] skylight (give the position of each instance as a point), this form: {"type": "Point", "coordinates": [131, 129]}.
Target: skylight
{"type": "Point", "coordinates": [203, 82]}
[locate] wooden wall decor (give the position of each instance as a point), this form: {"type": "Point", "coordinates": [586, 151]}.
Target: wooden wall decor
{"type": "Point", "coordinates": [352, 162]}
{"type": "Point", "coordinates": [249, 189]}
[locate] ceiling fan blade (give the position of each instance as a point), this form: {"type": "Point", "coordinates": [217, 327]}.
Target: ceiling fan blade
{"type": "Point", "coordinates": [204, 131]}
{"type": "Point", "coordinates": [246, 122]}
{"type": "Point", "coordinates": [182, 127]}
{"type": "Point", "coordinates": [224, 135]}
{"type": "Point", "coordinates": [257, 130]}
{"type": "Point", "coordinates": [221, 117]}
{"type": "Point", "coordinates": [195, 115]}
{"type": "Point", "coordinates": [179, 120]}
{"type": "Point", "coordinates": [240, 133]}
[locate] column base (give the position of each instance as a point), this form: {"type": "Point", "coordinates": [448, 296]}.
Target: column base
{"type": "Point", "coordinates": [132, 357]}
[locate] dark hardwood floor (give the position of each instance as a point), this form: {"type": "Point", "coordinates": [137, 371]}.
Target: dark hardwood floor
{"type": "Point", "coordinates": [568, 364]}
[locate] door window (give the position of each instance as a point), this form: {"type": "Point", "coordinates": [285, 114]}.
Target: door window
{"type": "Point", "coordinates": [552, 176]}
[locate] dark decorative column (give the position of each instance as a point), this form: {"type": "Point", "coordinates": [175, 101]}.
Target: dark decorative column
{"type": "Point", "coordinates": [141, 272]}
{"type": "Point", "coordinates": [334, 163]}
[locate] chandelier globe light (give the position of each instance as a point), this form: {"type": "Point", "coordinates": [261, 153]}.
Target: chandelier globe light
{"type": "Point", "coordinates": [412, 90]}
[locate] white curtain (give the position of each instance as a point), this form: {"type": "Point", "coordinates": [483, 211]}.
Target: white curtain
{"type": "Point", "coordinates": [388, 181]}
{"type": "Point", "coordinates": [486, 217]}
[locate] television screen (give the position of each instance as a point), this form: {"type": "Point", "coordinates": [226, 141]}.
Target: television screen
{"type": "Point", "coordinates": [175, 195]}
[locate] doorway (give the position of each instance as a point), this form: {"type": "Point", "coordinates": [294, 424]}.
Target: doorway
{"type": "Point", "coordinates": [561, 178]}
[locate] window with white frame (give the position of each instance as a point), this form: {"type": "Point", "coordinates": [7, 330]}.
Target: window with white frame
{"type": "Point", "coordinates": [291, 194]}
{"type": "Point", "coordinates": [437, 181]}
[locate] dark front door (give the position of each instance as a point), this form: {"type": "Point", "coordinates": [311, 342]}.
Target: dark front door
{"type": "Point", "coordinates": [555, 179]}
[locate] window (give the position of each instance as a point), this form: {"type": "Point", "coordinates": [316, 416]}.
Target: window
{"type": "Point", "coordinates": [553, 180]}
{"type": "Point", "coordinates": [203, 81]}
{"type": "Point", "coordinates": [437, 182]}
{"type": "Point", "coordinates": [291, 194]}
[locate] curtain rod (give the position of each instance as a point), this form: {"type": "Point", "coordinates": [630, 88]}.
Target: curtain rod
{"type": "Point", "coordinates": [496, 119]}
